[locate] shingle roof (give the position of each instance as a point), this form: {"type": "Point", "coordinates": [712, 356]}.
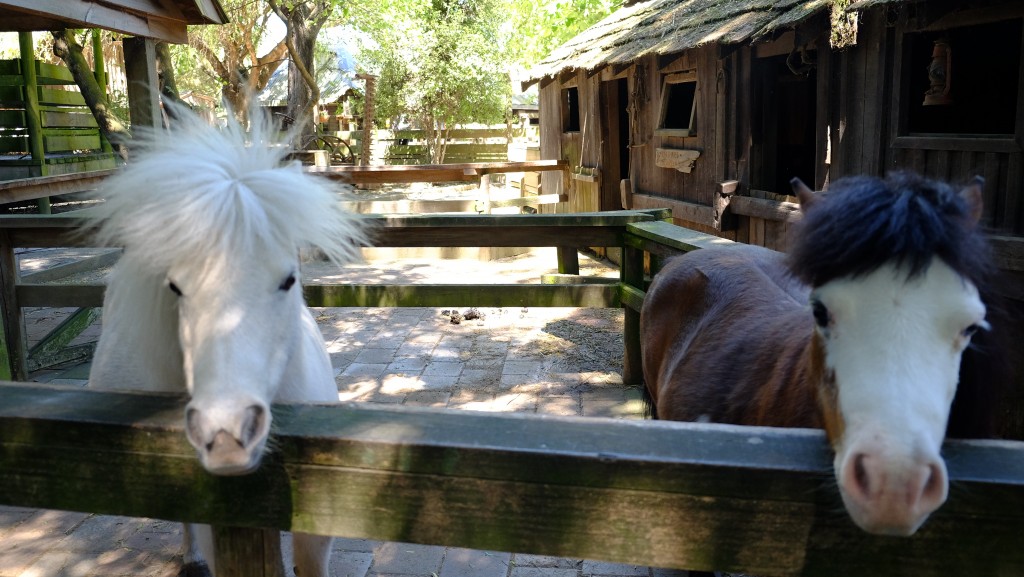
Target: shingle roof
{"type": "Point", "coordinates": [670, 26]}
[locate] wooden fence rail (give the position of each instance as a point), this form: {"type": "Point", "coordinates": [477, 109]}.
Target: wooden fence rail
{"type": "Point", "coordinates": [685, 495]}
{"type": "Point", "coordinates": [566, 231]}
{"type": "Point", "coordinates": [697, 496]}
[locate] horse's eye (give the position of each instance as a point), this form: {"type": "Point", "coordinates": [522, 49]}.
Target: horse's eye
{"type": "Point", "coordinates": [820, 312]}
{"type": "Point", "coordinates": [288, 283]}
{"type": "Point", "coordinates": [971, 330]}
{"type": "Point", "coordinates": [174, 288]}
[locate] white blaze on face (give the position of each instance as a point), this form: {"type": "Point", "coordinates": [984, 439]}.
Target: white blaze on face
{"type": "Point", "coordinates": [894, 346]}
{"type": "Point", "coordinates": [237, 326]}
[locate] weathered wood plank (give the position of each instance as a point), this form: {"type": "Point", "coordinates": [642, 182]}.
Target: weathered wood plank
{"type": "Point", "coordinates": [57, 140]}
{"type": "Point", "coordinates": [473, 230]}
{"type": "Point", "coordinates": [489, 295]}
{"type": "Point", "coordinates": [243, 552]}
{"type": "Point", "coordinates": [687, 495]}
{"type": "Point", "coordinates": [675, 237]}
{"type": "Point", "coordinates": [682, 210]}
{"type": "Point", "coordinates": [764, 208]}
{"type": "Point", "coordinates": [42, 186]}
{"type": "Point", "coordinates": [63, 334]}
{"type": "Point", "coordinates": [375, 295]}
{"type": "Point", "coordinates": [455, 172]}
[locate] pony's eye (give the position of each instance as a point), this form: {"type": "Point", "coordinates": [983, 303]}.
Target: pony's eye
{"type": "Point", "coordinates": [288, 283]}
{"type": "Point", "coordinates": [174, 288]}
{"type": "Point", "coordinates": [971, 330]}
{"type": "Point", "coordinates": [820, 312]}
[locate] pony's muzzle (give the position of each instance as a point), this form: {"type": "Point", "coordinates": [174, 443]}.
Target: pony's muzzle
{"type": "Point", "coordinates": [228, 442]}
{"type": "Point", "coordinates": [886, 496]}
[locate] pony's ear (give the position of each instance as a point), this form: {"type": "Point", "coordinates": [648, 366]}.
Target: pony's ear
{"type": "Point", "coordinates": [972, 196]}
{"type": "Point", "coordinates": [804, 193]}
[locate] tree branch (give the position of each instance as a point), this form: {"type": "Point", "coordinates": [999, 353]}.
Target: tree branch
{"type": "Point", "coordinates": [70, 51]}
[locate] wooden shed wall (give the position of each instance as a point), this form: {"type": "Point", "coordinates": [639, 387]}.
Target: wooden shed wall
{"type": "Point", "coordinates": [857, 126]}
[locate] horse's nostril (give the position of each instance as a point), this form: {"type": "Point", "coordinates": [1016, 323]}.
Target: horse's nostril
{"type": "Point", "coordinates": [192, 427]}
{"type": "Point", "coordinates": [861, 477]}
{"type": "Point", "coordinates": [253, 423]}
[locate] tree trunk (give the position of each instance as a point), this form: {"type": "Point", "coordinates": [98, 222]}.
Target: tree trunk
{"type": "Point", "coordinates": [303, 93]}
{"type": "Point", "coordinates": [168, 85]}
{"type": "Point", "coordinates": [67, 49]}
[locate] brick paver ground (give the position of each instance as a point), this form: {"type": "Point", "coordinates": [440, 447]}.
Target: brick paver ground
{"type": "Point", "coordinates": [556, 361]}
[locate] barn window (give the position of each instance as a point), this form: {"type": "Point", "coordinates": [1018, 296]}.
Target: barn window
{"type": "Point", "coordinates": [678, 104]}
{"type": "Point", "coordinates": [962, 81]}
{"type": "Point", "coordinates": [571, 109]}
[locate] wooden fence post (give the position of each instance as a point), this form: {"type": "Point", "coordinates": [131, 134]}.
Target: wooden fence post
{"type": "Point", "coordinates": [143, 82]}
{"type": "Point", "coordinates": [245, 552]}
{"type": "Point", "coordinates": [33, 115]}
{"type": "Point", "coordinates": [632, 275]}
{"type": "Point", "coordinates": [12, 342]}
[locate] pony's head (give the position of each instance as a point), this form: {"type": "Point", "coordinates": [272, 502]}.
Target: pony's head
{"type": "Point", "coordinates": [216, 220]}
{"type": "Point", "coordinates": [895, 267]}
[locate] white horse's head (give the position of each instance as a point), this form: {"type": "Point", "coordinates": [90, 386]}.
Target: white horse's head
{"type": "Point", "coordinates": [216, 218]}
{"type": "Point", "coordinates": [895, 301]}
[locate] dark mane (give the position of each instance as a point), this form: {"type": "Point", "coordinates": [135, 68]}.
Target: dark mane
{"type": "Point", "coordinates": [863, 222]}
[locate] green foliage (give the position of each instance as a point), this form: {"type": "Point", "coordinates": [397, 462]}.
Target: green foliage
{"type": "Point", "coordinates": [538, 27]}
{"type": "Point", "coordinates": [440, 63]}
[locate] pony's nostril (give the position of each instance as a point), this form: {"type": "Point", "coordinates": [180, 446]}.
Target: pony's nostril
{"type": "Point", "coordinates": [861, 476]}
{"type": "Point", "coordinates": [192, 426]}
{"type": "Point", "coordinates": [253, 423]}
{"type": "Point", "coordinates": [933, 492]}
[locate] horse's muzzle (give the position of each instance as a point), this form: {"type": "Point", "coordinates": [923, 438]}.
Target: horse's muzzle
{"type": "Point", "coordinates": [231, 444]}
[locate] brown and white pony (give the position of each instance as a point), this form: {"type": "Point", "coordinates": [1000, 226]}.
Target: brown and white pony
{"type": "Point", "coordinates": [859, 331]}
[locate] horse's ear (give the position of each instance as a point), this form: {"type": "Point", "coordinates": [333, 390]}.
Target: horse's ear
{"type": "Point", "coordinates": [972, 196]}
{"type": "Point", "coordinates": [804, 193]}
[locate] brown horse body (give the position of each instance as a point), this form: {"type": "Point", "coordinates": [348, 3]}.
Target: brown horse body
{"type": "Point", "coordinates": [748, 289]}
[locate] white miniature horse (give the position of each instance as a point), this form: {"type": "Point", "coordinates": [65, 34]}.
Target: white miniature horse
{"type": "Point", "coordinates": [206, 297]}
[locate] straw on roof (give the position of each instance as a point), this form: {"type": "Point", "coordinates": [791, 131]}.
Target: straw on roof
{"type": "Point", "coordinates": [669, 26]}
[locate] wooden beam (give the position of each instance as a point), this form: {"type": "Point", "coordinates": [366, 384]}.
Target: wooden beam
{"type": "Point", "coordinates": [674, 237]}
{"type": "Point", "coordinates": [44, 186]}
{"type": "Point", "coordinates": [458, 172]}
{"type": "Point", "coordinates": [143, 82]}
{"type": "Point", "coordinates": [763, 208]}
{"type": "Point", "coordinates": [144, 19]}
{"type": "Point", "coordinates": [682, 210]}
{"type": "Point", "coordinates": [473, 230]}
{"type": "Point", "coordinates": [374, 295]}
{"type": "Point", "coordinates": [666, 494]}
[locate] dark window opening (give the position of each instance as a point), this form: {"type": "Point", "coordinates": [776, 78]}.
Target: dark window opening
{"type": "Point", "coordinates": [679, 105]}
{"type": "Point", "coordinates": [571, 110]}
{"type": "Point", "coordinates": [783, 126]}
{"type": "Point", "coordinates": [984, 68]}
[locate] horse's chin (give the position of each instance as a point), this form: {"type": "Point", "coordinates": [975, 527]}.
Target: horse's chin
{"type": "Point", "coordinates": [885, 528]}
{"type": "Point", "coordinates": [232, 470]}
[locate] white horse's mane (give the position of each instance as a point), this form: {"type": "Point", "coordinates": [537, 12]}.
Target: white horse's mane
{"type": "Point", "coordinates": [198, 190]}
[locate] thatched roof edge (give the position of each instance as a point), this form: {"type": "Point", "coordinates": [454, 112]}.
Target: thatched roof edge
{"type": "Point", "coordinates": [669, 26]}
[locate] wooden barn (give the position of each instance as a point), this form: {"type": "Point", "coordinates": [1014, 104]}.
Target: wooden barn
{"type": "Point", "coordinates": [709, 108]}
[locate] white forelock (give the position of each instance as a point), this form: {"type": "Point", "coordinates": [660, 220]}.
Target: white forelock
{"type": "Point", "coordinates": [202, 190]}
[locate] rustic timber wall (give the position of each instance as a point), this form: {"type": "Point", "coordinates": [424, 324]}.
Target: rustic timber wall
{"type": "Point", "coordinates": [860, 96]}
